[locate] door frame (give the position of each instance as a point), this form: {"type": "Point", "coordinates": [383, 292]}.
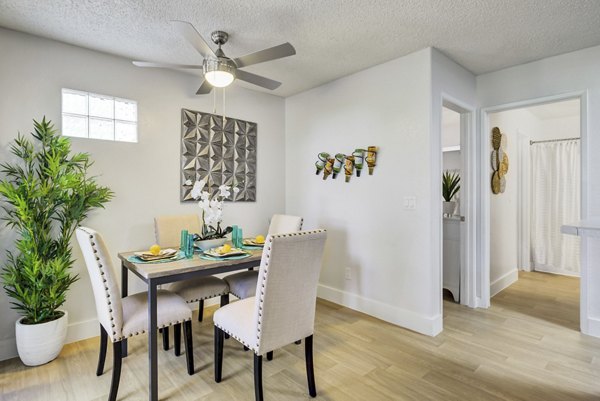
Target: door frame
{"type": "Point", "coordinates": [468, 251]}
{"type": "Point", "coordinates": [484, 192]}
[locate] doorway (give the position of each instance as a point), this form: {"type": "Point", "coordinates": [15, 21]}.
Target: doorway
{"type": "Point", "coordinates": [541, 145]}
{"type": "Point", "coordinates": [457, 226]}
{"type": "Point", "coordinates": [452, 217]}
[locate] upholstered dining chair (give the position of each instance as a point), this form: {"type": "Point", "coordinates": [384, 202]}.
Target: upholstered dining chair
{"type": "Point", "coordinates": [168, 234]}
{"type": "Point", "coordinates": [243, 284]}
{"type": "Point", "coordinates": [283, 309]}
{"type": "Point", "coordinates": [121, 318]}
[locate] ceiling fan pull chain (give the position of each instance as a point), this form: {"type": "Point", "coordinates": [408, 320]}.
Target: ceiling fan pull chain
{"type": "Point", "coordinates": [223, 109]}
{"type": "Point", "coordinates": [214, 102]}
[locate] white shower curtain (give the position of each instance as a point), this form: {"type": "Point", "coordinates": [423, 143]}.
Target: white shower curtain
{"type": "Point", "coordinates": [555, 200]}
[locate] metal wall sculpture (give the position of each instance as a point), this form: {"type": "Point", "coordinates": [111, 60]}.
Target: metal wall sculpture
{"type": "Point", "coordinates": [499, 160]}
{"type": "Point", "coordinates": [222, 151]}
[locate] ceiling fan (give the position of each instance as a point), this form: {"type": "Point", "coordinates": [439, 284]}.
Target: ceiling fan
{"type": "Point", "coordinates": [220, 70]}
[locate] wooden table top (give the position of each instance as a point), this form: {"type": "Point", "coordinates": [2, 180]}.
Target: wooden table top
{"type": "Point", "coordinates": [155, 270]}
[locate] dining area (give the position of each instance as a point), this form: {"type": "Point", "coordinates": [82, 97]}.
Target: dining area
{"type": "Point", "coordinates": [262, 307]}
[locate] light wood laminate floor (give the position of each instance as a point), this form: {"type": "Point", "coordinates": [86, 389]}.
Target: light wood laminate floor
{"type": "Point", "coordinates": [525, 347]}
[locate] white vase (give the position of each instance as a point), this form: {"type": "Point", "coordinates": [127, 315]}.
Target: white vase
{"type": "Point", "coordinates": [449, 208]}
{"type": "Point", "coordinates": [38, 344]}
{"type": "Point", "coordinates": [207, 244]}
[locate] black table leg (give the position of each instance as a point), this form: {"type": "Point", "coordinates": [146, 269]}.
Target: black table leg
{"type": "Point", "coordinates": [124, 291]}
{"type": "Point", "coordinates": [152, 340]}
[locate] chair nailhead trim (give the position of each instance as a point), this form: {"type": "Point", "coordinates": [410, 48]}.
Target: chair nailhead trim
{"type": "Point", "coordinates": [102, 273]}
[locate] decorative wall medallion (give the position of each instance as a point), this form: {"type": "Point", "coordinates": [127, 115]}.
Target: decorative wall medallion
{"type": "Point", "coordinates": [221, 151]}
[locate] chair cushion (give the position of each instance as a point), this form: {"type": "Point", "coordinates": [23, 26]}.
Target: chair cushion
{"type": "Point", "coordinates": [199, 288]}
{"type": "Point", "coordinates": [171, 309]}
{"type": "Point", "coordinates": [239, 321]}
{"type": "Point", "coordinates": [243, 284]}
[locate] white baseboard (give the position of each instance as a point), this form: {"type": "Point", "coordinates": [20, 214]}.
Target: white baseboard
{"type": "Point", "coordinates": [503, 282]}
{"type": "Point", "coordinates": [591, 327]}
{"type": "Point", "coordinates": [430, 326]}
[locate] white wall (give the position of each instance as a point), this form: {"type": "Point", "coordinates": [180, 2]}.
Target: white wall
{"type": "Point", "coordinates": [452, 160]}
{"type": "Point", "coordinates": [557, 128]}
{"type": "Point", "coordinates": [567, 73]}
{"type": "Point", "coordinates": [504, 228]}
{"type": "Point", "coordinates": [145, 175]}
{"type": "Point", "coordinates": [385, 247]}
{"type": "Point", "coordinates": [396, 275]}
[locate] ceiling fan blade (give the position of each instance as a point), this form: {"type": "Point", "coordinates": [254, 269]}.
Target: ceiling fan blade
{"type": "Point", "coordinates": [194, 38]}
{"type": "Point", "coordinates": [204, 88]}
{"type": "Point", "coordinates": [166, 65]}
{"type": "Point", "coordinates": [271, 53]}
{"type": "Point", "coordinates": [257, 80]}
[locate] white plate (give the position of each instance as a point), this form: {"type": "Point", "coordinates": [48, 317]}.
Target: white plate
{"type": "Point", "coordinates": [234, 252]}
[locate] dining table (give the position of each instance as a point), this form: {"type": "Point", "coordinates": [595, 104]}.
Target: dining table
{"type": "Point", "coordinates": [155, 274]}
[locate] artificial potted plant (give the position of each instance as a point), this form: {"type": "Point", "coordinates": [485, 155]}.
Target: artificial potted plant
{"type": "Point", "coordinates": [47, 193]}
{"type": "Point", "coordinates": [450, 187]}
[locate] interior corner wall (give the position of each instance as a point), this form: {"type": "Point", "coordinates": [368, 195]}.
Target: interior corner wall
{"type": "Point", "coordinates": [385, 248]}
{"type": "Point", "coordinates": [143, 175]}
{"type": "Point", "coordinates": [564, 74]}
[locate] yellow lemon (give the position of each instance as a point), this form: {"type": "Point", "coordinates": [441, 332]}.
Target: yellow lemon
{"type": "Point", "coordinates": [155, 249]}
{"type": "Point", "coordinates": [225, 249]}
{"type": "Point", "coordinates": [260, 239]}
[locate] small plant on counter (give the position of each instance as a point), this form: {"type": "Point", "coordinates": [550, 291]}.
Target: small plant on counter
{"type": "Point", "coordinates": [450, 185]}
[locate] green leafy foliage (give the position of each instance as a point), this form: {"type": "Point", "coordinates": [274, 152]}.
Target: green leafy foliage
{"type": "Point", "coordinates": [450, 185]}
{"type": "Point", "coordinates": [46, 194]}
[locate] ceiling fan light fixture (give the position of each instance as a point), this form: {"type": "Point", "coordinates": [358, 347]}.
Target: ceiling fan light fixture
{"type": "Point", "coordinates": [219, 73]}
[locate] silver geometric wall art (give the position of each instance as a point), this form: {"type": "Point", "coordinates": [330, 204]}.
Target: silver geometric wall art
{"type": "Point", "coordinates": [218, 153]}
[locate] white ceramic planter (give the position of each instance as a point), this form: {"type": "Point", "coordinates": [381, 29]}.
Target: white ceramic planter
{"type": "Point", "coordinates": [38, 344]}
{"type": "Point", "coordinates": [449, 208]}
{"type": "Point", "coordinates": [207, 244]}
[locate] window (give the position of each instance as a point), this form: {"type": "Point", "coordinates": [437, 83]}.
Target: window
{"type": "Point", "coordinates": [89, 115]}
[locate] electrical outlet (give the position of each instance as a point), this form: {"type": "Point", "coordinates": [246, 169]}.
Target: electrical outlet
{"type": "Point", "coordinates": [410, 203]}
{"type": "Point", "coordinates": [348, 273]}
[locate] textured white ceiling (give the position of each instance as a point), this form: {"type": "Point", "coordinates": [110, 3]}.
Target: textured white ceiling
{"type": "Point", "coordinates": [333, 38]}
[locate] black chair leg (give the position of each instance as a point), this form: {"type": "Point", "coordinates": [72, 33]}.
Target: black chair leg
{"type": "Point", "coordinates": [102, 356]}
{"type": "Point", "coordinates": [310, 371]}
{"type": "Point", "coordinates": [225, 301]}
{"type": "Point", "coordinates": [189, 349]}
{"type": "Point", "coordinates": [258, 390]}
{"type": "Point", "coordinates": [177, 338]}
{"type": "Point", "coordinates": [298, 342]}
{"type": "Point", "coordinates": [116, 374]}
{"type": "Point", "coordinates": [219, 337]}
{"type": "Point", "coordinates": [200, 310]}
{"type": "Point", "coordinates": [165, 336]}
{"type": "Point", "coordinates": [270, 356]}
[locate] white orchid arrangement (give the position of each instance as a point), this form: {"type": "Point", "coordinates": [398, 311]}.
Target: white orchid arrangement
{"type": "Point", "coordinates": [212, 209]}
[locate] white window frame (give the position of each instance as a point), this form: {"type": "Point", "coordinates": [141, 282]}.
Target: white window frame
{"type": "Point", "coordinates": [87, 115]}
